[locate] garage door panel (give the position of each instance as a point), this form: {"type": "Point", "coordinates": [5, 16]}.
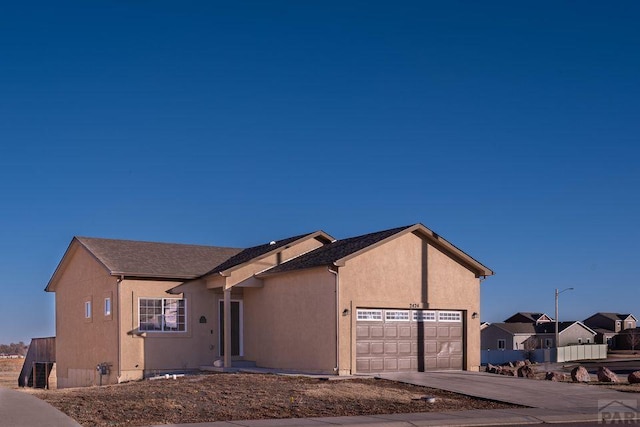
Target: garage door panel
{"type": "Point", "coordinates": [391, 331]}
{"type": "Point", "coordinates": [455, 347]}
{"type": "Point", "coordinates": [404, 331]}
{"type": "Point", "coordinates": [443, 363]}
{"type": "Point", "coordinates": [443, 331]}
{"type": "Point", "coordinates": [430, 363]}
{"type": "Point", "coordinates": [362, 331]}
{"type": "Point", "coordinates": [404, 347]}
{"type": "Point", "coordinates": [377, 347]}
{"type": "Point", "coordinates": [363, 365]}
{"type": "Point", "coordinates": [390, 364]}
{"type": "Point", "coordinates": [376, 331]}
{"type": "Point", "coordinates": [426, 340]}
{"type": "Point", "coordinates": [404, 364]}
{"type": "Point", "coordinates": [390, 347]}
{"type": "Point", "coordinates": [455, 331]}
{"type": "Point", "coordinates": [363, 348]}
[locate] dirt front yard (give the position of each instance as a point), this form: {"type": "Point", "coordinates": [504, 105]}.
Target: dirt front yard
{"type": "Point", "coordinates": [242, 396]}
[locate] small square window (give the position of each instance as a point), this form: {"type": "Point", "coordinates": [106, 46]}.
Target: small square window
{"type": "Point", "coordinates": [502, 344]}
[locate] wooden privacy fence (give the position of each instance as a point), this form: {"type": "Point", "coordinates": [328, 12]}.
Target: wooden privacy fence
{"type": "Point", "coordinates": [38, 363]}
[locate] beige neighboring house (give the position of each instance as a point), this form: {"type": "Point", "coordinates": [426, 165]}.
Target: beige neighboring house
{"type": "Point", "coordinates": [403, 299]}
{"type": "Point", "coordinates": [532, 335]}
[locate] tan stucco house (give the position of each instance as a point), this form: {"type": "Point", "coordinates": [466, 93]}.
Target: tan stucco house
{"type": "Point", "coordinates": [394, 300]}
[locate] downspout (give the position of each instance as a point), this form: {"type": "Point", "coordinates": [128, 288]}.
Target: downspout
{"type": "Point", "coordinates": [337, 368]}
{"type": "Point", "coordinates": [119, 347]}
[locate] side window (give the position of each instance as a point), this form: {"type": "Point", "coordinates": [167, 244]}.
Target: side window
{"type": "Point", "coordinates": [107, 306]}
{"type": "Point", "coordinates": [502, 344]}
{"type": "Point", "coordinates": [87, 309]}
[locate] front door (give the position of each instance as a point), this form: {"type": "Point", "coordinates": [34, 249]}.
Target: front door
{"type": "Point", "coordinates": [236, 327]}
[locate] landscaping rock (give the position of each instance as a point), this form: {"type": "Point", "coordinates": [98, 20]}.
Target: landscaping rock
{"type": "Point", "coordinates": [634, 377]}
{"type": "Point", "coordinates": [580, 374]}
{"type": "Point", "coordinates": [526, 371]}
{"type": "Point", "coordinates": [507, 371]}
{"type": "Point", "coordinates": [519, 363]}
{"type": "Point", "coordinates": [606, 375]}
{"type": "Point", "coordinates": [492, 369]}
{"type": "Point", "coordinates": [554, 376]}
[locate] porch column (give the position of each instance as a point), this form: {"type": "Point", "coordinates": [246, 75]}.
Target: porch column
{"type": "Point", "coordinates": [227, 328]}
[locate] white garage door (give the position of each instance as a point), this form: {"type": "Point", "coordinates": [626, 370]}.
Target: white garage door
{"type": "Point", "coordinates": [391, 340]}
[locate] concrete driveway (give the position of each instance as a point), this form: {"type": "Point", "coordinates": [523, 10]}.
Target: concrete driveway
{"type": "Point", "coordinates": [579, 398]}
{"type": "Point", "coordinates": [20, 409]}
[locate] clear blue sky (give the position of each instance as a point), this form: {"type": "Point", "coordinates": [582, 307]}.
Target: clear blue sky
{"type": "Point", "coordinates": [511, 129]}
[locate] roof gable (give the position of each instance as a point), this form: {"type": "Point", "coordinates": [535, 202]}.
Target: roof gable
{"type": "Point", "coordinates": [517, 328]}
{"type": "Point", "coordinates": [340, 251]}
{"type": "Point", "coordinates": [148, 259]}
{"type": "Point", "coordinates": [330, 254]}
{"type": "Point", "coordinates": [256, 252]}
{"type": "Point", "coordinates": [526, 316]}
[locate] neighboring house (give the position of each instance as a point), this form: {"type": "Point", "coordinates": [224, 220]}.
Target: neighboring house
{"type": "Point", "coordinates": [403, 299]}
{"type": "Point", "coordinates": [528, 317]}
{"type": "Point", "coordinates": [529, 336]}
{"type": "Point", "coordinates": [609, 326]}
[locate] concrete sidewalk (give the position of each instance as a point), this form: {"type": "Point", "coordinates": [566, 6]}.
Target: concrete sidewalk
{"type": "Point", "coordinates": [20, 409]}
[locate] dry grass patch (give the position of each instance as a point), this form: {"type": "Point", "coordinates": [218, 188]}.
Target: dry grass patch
{"type": "Point", "coordinates": [225, 397]}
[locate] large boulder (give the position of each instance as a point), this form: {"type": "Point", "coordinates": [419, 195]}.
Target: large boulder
{"type": "Point", "coordinates": [580, 374]}
{"type": "Point", "coordinates": [492, 369]}
{"type": "Point", "coordinates": [554, 376]}
{"type": "Point", "coordinates": [526, 371]}
{"type": "Point", "coordinates": [634, 377]}
{"type": "Point", "coordinates": [507, 371]}
{"type": "Point", "coordinates": [605, 375]}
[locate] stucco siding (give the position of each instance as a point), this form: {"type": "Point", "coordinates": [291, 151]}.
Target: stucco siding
{"type": "Point", "coordinates": [246, 271]}
{"type": "Point", "coordinates": [290, 321]}
{"type": "Point", "coordinates": [146, 353]}
{"type": "Point", "coordinates": [451, 285]}
{"type": "Point", "coordinates": [407, 272]}
{"type": "Point", "coordinates": [81, 343]}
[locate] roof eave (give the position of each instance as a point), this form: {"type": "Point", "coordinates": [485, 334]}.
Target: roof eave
{"type": "Point", "coordinates": [479, 269]}
{"type": "Point", "coordinates": [313, 235]}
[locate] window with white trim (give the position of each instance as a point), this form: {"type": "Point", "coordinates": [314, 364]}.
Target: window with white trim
{"type": "Point", "coordinates": [449, 316]}
{"type": "Point", "coordinates": [502, 344]}
{"type": "Point", "coordinates": [87, 309]}
{"type": "Point", "coordinates": [162, 314]}
{"type": "Point", "coordinates": [424, 316]}
{"type": "Point", "coordinates": [107, 306]}
{"type": "Point", "coordinates": [396, 315]}
{"type": "Point", "coordinates": [369, 314]}
{"type": "Point", "coordinates": [579, 340]}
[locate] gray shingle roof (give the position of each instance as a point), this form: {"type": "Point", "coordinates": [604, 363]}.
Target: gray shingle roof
{"type": "Point", "coordinates": [532, 328]}
{"type": "Point", "coordinates": [248, 254]}
{"type": "Point", "coordinates": [326, 255]}
{"type": "Point", "coordinates": [151, 259]}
